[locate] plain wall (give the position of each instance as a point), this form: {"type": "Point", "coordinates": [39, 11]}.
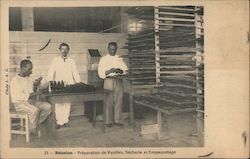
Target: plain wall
{"type": "Point", "coordinates": [24, 44]}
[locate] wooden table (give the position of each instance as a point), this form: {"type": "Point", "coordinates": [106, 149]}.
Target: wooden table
{"type": "Point", "coordinates": [53, 98]}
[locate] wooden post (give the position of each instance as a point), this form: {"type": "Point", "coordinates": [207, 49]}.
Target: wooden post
{"type": "Point", "coordinates": [21, 123]}
{"type": "Point", "coordinates": [157, 47]}
{"type": "Point", "coordinates": [94, 114]}
{"type": "Point", "coordinates": [27, 18]}
{"type": "Point", "coordinates": [198, 27]}
{"type": "Point", "coordinates": [124, 20]}
{"type": "Point", "coordinates": [27, 129]}
{"type": "Point", "coordinates": [51, 122]}
{"type": "Point", "coordinates": [10, 128]}
{"type": "Point", "coordinates": [197, 70]}
{"type": "Point", "coordinates": [104, 113]}
{"type": "Point", "coordinates": [131, 108]}
{"type": "Point", "coordinates": [159, 122]}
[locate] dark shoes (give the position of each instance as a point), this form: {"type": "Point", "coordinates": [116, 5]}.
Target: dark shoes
{"type": "Point", "coordinates": [109, 125]}
{"type": "Point", "coordinates": [34, 132]}
{"type": "Point", "coordinates": [66, 125]}
{"type": "Point", "coordinates": [119, 125]}
{"type": "Point", "coordinates": [115, 124]}
{"type": "Point", "coordinates": [60, 126]}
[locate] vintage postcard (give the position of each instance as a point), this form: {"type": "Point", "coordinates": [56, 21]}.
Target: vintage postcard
{"type": "Point", "coordinates": [124, 79]}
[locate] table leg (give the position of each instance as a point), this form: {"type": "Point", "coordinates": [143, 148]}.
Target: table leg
{"type": "Point", "coordinates": [94, 114]}
{"type": "Point", "coordinates": [199, 127]}
{"type": "Point", "coordinates": [159, 122]}
{"type": "Point", "coordinates": [131, 109]}
{"type": "Point", "coordinates": [51, 123]}
{"type": "Point", "coordinates": [104, 114]}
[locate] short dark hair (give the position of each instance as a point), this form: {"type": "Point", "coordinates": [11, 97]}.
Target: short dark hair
{"type": "Point", "coordinates": [64, 44]}
{"type": "Point", "coordinates": [112, 43]}
{"type": "Point", "coordinates": [24, 63]}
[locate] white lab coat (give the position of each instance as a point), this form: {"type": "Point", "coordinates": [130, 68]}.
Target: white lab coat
{"type": "Point", "coordinates": [63, 70]}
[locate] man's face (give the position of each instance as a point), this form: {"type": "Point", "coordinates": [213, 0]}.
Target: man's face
{"type": "Point", "coordinates": [112, 50]}
{"type": "Point", "coordinates": [27, 70]}
{"type": "Point", "coordinates": [64, 51]}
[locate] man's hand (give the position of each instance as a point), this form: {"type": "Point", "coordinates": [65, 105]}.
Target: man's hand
{"type": "Point", "coordinates": [37, 81]}
{"type": "Point", "coordinates": [112, 70]}
{"type": "Point", "coordinates": [32, 94]}
{"type": "Point", "coordinates": [119, 71]}
{"type": "Point", "coordinates": [32, 98]}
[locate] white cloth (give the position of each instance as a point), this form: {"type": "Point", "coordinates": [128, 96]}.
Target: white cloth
{"type": "Point", "coordinates": [62, 111]}
{"type": "Point", "coordinates": [65, 70]}
{"type": "Point", "coordinates": [20, 88]}
{"type": "Point", "coordinates": [107, 62]}
{"type": "Point", "coordinates": [37, 111]}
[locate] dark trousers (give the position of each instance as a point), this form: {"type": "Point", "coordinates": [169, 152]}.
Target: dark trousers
{"type": "Point", "coordinates": [113, 111]}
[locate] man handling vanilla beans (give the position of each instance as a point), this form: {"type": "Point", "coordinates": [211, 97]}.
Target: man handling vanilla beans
{"type": "Point", "coordinates": [23, 93]}
{"type": "Point", "coordinates": [110, 66]}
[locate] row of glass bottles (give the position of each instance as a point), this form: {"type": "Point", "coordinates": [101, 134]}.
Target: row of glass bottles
{"type": "Point", "coordinates": [56, 86]}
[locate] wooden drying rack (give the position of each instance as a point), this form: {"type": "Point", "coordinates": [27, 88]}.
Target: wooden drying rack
{"type": "Point", "coordinates": [179, 72]}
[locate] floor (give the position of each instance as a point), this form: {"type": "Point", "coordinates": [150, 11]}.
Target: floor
{"type": "Point", "coordinates": [177, 132]}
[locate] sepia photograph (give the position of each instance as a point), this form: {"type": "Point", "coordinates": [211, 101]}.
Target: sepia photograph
{"type": "Point", "coordinates": [106, 76]}
{"type": "Point", "coordinates": [129, 78]}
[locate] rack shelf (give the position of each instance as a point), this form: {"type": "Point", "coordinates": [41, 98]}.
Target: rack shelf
{"type": "Point", "coordinates": [164, 54]}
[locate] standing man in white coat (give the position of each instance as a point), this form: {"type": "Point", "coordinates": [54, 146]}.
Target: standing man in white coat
{"type": "Point", "coordinates": [63, 69]}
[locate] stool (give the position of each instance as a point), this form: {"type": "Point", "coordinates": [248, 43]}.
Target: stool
{"type": "Point", "coordinates": [24, 124]}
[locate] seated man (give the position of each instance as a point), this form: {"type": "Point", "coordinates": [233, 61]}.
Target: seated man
{"type": "Point", "coordinates": [23, 90]}
{"type": "Point", "coordinates": [109, 66]}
